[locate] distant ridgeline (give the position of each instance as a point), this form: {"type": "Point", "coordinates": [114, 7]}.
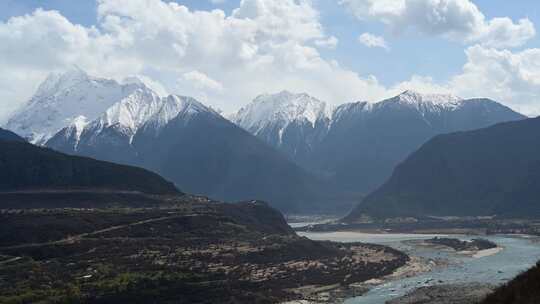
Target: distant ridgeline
{"type": "Point", "coordinates": [24, 166]}
{"type": "Point", "coordinates": [491, 171]}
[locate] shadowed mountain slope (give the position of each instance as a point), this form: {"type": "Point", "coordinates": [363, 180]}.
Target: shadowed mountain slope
{"type": "Point", "coordinates": [491, 171]}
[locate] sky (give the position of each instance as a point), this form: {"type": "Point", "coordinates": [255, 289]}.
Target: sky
{"type": "Point", "coordinates": [226, 52]}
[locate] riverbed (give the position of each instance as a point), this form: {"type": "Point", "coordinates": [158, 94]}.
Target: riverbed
{"type": "Point", "coordinates": [517, 254]}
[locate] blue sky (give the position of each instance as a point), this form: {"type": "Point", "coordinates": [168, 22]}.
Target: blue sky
{"type": "Point", "coordinates": [412, 53]}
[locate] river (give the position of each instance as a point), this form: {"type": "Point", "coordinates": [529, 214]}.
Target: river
{"type": "Point", "coordinates": [519, 254]}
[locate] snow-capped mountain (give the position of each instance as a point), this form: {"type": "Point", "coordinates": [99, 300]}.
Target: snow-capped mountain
{"type": "Point", "coordinates": [424, 105]}
{"type": "Point", "coordinates": [290, 122]}
{"type": "Point", "coordinates": [110, 136]}
{"type": "Point", "coordinates": [360, 143]}
{"type": "Point", "coordinates": [365, 141]}
{"type": "Point", "coordinates": [281, 109]}
{"type": "Point", "coordinates": [431, 101]}
{"type": "Point", "coordinates": [192, 145]}
{"type": "Point", "coordinates": [143, 108]}
{"type": "Point", "coordinates": [63, 98]}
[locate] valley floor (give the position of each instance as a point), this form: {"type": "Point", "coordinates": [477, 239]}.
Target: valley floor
{"type": "Point", "coordinates": [433, 225]}
{"type": "Point", "coordinates": [440, 264]}
{"type": "Point", "coordinates": [194, 251]}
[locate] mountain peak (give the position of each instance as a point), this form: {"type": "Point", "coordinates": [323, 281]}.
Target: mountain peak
{"type": "Point", "coordinates": [132, 111]}
{"type": "Point", "coordinates": [281, 108]}
{"type": "Point", "coordinates": [144, 107]}
{"type": "Point", "coordinates": [58, 81]}
{"type": "Point", "coordinates": [62, 97]}
{"type": "Point", "coordinates": [410, 96]}
{"type": "Point", "coordinates": [176, 105]}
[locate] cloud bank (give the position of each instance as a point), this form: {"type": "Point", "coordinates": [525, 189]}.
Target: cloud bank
{"type": "Point", "coordinates": [458, 20]}
{"type": "Point", "coordinates": [262, 46]}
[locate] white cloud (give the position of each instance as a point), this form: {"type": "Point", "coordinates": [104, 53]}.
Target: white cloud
{"type": "Point", "coordinates": [459, 20]}
{"type": "Point", "coordinates": [262, 46]}
{"type": "Point", "coordinates": [424, 84]}
{"type": "Point", "coordinates": [200, 81]}
{"type": "Point", "coordinates": [502, 32]}
{"type": "Point", "coordinates": [329, 43]}
{"type": "Point", "coordinates": [156, 86]}
{"type": "Point", "coordinates": [510, 77]}
{"type": "Point", "coordinates": [31, 46]}
{"type": "Point", "coordinates": [372, 41]}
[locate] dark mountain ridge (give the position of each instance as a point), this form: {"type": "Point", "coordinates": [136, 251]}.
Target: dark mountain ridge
{"type": "Point", "coordinates": [490, 171]}
{"type": "Point", "coordinates": [7, 135]}
{"type": "Point", "coordinates": [24, 166]}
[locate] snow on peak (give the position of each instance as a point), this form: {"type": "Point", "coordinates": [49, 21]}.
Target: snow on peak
{"type": "Point", "coordinates": [56, 82]}
{"type": "Point", "coordinates": [350, 109]}
{"type": "Point", "coordinates": [280, 110]}
{"type": "Point", "coordinates": [79, 122]}
{"type": "Point", "coordinates": [75, 128]}
{"type": "Point", "coordinates": [174, 106]}
{"type": "Point", "coordinates": [131, 112]}
{"type": "Point", "coordinates": [423, 103]}
{"type": "Point", "coordinates": [144, 109]}
{"type": "Point", "coordinates": [142, 81]}
{"type": "Point", "coordinates": [61, 98]}
{"type": "Point", "coordinates": [412, 97]}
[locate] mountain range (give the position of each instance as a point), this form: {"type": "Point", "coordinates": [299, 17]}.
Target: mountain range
{"type": "Point", "coordinates": [180, 139]}
{"type": "Point", "coordinates": [357, 145]}
{"type": "Point", "coordinates": [485, 172]}
{"type": "Point", "coordinates": [292, 150]}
